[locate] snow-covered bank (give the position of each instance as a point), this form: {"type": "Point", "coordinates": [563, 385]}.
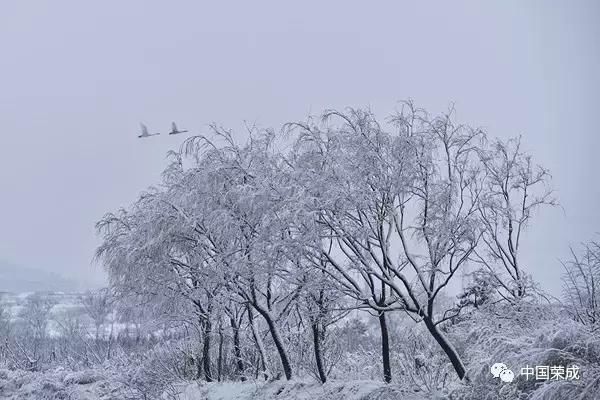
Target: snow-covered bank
{"type": "Point", "coordinates": [106, 385]}
{"type": "Point", "coordinates": [353, 390]}
{"type": "Point", "coordinates": [60, 384]}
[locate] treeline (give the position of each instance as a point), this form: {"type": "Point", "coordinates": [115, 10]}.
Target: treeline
{"type": "Point", "coordinates": [79, 330]}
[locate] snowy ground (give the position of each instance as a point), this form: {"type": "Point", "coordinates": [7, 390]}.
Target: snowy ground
{"type": "Point", "coordinates": [59, 384]}
{"type": "Point", "coordinates": [95, 385]}
{"type": "Point", "coordinates": [357, 390]}
{"type": "Point", "coordinates": [530, 335]}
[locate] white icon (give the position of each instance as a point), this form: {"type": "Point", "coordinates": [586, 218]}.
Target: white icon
{"type": "Point", "coordinates": [500, 370]}
{"type": "Point", "coordinates": [497, 368]}
{"type": "Point", "coordinates": [507, 376]}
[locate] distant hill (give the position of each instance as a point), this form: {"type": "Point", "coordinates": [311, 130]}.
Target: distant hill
{"type": "Point", "coordinates": [17, 279]}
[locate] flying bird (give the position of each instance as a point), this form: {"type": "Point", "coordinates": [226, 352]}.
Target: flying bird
{"type": "Point", "coordinates": [174, 130]}
{"type": "Point", "coordinates": [145, 132]}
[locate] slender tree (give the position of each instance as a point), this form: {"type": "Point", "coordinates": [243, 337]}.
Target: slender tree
{"type": "Point", "coordinates": [581, 285]}
{"type": "Point", "coordinates": [515, 189]}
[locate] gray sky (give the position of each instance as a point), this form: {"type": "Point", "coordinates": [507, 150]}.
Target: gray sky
{"type": "Point", "coordinates": [77, 77]}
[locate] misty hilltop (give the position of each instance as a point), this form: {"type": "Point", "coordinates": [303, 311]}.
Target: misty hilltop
{"type": "Point", "coordinates": [19, 279]}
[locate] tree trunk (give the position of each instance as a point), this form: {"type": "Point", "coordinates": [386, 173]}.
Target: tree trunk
{"type": "Point", "coordinates": [283, 357]}
{"type": "Point", "coordinates": [220, 357]}
{"type": "Point", "coordinates": [258, 341]}
{"type": "Point", "coordinates": [237, 350]}
{"type": "Point", "coordinates": [110, 340]}
{"type": "Point", "coordinates": [385, 348]}
{"type": "Point", "coordinates": [206, 350]}
{"type": "Point", "coordinates": [450, 351]}
{"type": "Point", "coordinates": [318, 355]}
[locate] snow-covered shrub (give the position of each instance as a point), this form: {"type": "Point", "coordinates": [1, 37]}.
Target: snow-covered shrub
{"type": "Point", "coordinates": [155, 373]}
{"type": "Point", "coordinates": [82, 377]}
{"type": "Point", "coordinates": [357, 350]}
{"type": "Point", "coordinates": [421, 364]}
{"type": "Point", "coordinates": [581, 285]}
{"type": "Point", "coordinates": [523, 335]}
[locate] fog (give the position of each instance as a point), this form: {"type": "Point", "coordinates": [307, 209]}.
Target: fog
{"type": "Point", "coordinates": [76, 79]}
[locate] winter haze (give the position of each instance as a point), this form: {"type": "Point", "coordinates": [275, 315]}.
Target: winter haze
{"type": "Point", "coordinates": [384, 250]}
{"type": "Point", "coordinates": [77, 80]}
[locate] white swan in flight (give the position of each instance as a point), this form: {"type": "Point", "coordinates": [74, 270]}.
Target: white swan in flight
{"type": "Point", "coordinates": [145, 132]}
{"type": "Point", "coordinates": [174, 130]}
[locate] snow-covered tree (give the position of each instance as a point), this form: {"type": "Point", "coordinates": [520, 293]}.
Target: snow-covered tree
{"type": "Point", "coordinates": [400, 206]}
{"type": "Point", "coordinates": [581, 284]}
{"type": "Point", "coordinates": [145, 253]}
{"type": "Point", "coordinates": [515, 189]}
{"type": "Point", "coordinates": [240, 219]}
{"type": "Point", "coordinates": [97, 305]}
{"type": "Point", "coordinates": [478, 291]}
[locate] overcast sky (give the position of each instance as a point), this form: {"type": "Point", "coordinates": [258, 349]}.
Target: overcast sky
{"type": "Point", "coordinates": [76, 78]}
